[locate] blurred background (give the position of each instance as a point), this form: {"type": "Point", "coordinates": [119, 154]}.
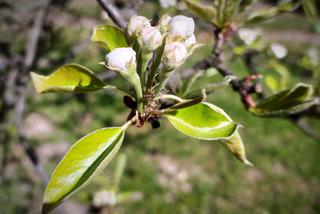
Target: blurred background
{"type": "Point", "coordinates": [156, 170]}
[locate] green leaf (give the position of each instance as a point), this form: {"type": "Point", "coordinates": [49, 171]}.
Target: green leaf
{"type": "Point", "coordinates": [86, 157]}
{"type": "Point", "coordinates": [267, 13]}
{"type": "Point", "coordinates": [310, 9]}
{"type": "Point", "coordinates": [206, 12]}
{"type": "Point", "coordinates": [245, 3]}
{"type": "Point", "coordinates": [203, 121]}
{"type": "Point", "coordinates": [286, 102]}
{"type": "Point", "coordinates": [235, 145]}
{"type": "Point", "coordinates": [68, 78]}
{"type": "Point", "coordinates": [109, 37]}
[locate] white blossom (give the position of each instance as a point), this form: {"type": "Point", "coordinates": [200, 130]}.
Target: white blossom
{"type": "Point", "coordinates": [279, 50]}
{"type": "Point", "coordinates": [181, 26]}
{"type": "Point", "coordinates": [135, 25]}
{"type": "Point", "coordinates": [248, 35]}
{"type": "Point", "coordinates": [314, 56]}
{"type": "Point", "coordinates": [167, 3]}
{"type": "Point", "coordinates": [151, 38]}
{"type": "Point", "coordinates": [121, 59]}
{"type": "Point", "coordinates": [104, 198]}
{"type": "Point", "coordinates": [174, 54]}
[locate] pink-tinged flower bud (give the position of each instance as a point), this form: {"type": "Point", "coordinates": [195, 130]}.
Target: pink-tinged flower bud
{"type": "Point", "coordinates": [121, 59]}
{"type": "Point", "coordinates": [181, 26]}
{"type": "Point", "coordinates": [135, 25]}
{"type": "Point", "coordinates": [151, 38]}
{"type": "Point", "coordinates": [174, 54]}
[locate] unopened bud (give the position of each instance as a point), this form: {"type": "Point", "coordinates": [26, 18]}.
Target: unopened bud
{"type": "Point", "coordinates": [174, 54]}
{"type": "Point", "coordinates": [249, 35]}
{"type": "Point", "coordinates": [151, 38]}
{"type": "Point", "coordinates": [167, 3]}
{"type": "Point", "coordinates": [135, 25]}
{"type": "Point", "coordinates": [123, 59]}
{"type": "Point", "coordinates": [279, 50]}
{"type": "Point", "coordinates": [181, 26]}
{"type": "Point", "coordinates": [164, 23]}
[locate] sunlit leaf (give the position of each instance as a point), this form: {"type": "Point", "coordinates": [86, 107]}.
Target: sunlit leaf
{"type": "Point", "coordinates": [235, 145]}
{"type": "Point", "coordinates": [267, 13]}
{"type": "Point", "coordinates": [68, 78]}
{"type": "Point", "coordinates": [109, 36]}
{"type": "Point", "coordinates": [203, 121]}
{"type": "Point", "coordinates": [206, 12]}
{"type": "Point", "coordinates": [85, 158]}
{"type": "Point", "coordinates": [286, 102]}
{"type": "Point", "coordinates": [272, 83]}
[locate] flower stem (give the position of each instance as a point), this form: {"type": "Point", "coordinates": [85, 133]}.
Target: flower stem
{"type": "Point", "coordinates": [135, 81]}
{"type": "Point", "coordinates": [155, 65]}
{"type": "Point", "coordinates": [165, 76]}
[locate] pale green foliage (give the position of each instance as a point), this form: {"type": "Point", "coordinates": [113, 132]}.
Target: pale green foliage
{"type": "Point", "coordinates": [68, 78]}
{"type": "Point", "coordinates": [286, 102]}
{"type": "Point", "coordinates": [109, 37]}
{"type": "Point", "coordinates": [86, 157]}
{"type": "Point", "coordinates": [203, 121]}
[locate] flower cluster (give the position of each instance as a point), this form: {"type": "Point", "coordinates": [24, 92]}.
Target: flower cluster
{"type": "Point", "coordinates": [178, 31]}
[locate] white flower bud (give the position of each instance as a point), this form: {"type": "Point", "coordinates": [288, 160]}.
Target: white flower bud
{"type": "Point", "coordinates": [249, 35]}
{"type": "Point", "coordinates": [104, 198]}
{"type": "Point", "coordinates": [151, 38]}
{"type": "Point", "coordinates": [174, 54]}
{"type": "Point", "coordinates": [121, 59]}
{"type": "Point", "coordinates": [135, 25]}
{"type": "Point", "coordinates": [313, 54]}
{"type": "Point", "coordinates": [164, 23]}
{"type": "Point", "coordinates": [167, 3]}
{"type": "Point", "coordinates": [279, 50]}
{"type": "Point", "coordinates": [190, 41]}
{"type": "Point", "coordinates": [181, 26]}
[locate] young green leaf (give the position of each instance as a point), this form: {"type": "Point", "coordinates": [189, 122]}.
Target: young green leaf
{"type": "Point", "coordinates": [310, 9]}
{"type": "Point", "coordinates": [267, 13]}
{"type": "Point", "coordinates": [109, 37]}
{"type": "Point", "coordinates": [85, 158]}
{"type": "Point", "coordinates": [235, 145]}
{"type": "Point", "coordinates": [286, 102]}
{"type": "Point", "coordinates": [206, 12]}
{"type": "Point", "coordinates": [203, 121]}
{"type": "Point", "coordinates": [68, 78]}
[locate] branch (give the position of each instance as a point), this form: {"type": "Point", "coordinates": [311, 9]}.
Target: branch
{"type": "Point", "coordinates": [306, 128]}
{"type": "Point", "coordinates": [244, 87]}
{"type": "Point", "coordinates": [113, 13]}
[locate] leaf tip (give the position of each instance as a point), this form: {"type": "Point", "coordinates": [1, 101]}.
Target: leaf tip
{"type": "Point", "coordinates": [37, 81]}
{"type": "Point", "coordinates": [247, 162]}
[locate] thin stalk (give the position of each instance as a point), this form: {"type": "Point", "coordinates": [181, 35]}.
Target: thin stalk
{"type": "Point", "coordinates": [171, 97]}
{"type": "Point", "coordinates": [118, 89]}
{"type": "Point", "coordinates": [165, 76]}
{"type": "Point", "coordinates": [139, 58]}
{"type": "Point", "coordinates": [136, 82]}
{"type": "Point", "coordinates": [155, 65]}
{"type": "Point", "coordinates": [121, 164]}
{"type": "Point", "coordinates": [145, 58]}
